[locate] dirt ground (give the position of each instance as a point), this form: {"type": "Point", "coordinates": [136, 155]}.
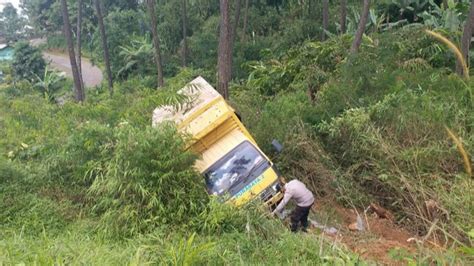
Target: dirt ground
{"type": "Point", "coordinates": [380, 237]}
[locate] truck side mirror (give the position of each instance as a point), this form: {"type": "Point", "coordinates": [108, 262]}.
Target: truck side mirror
{"type": "Point", "coordinates": [277, 146]}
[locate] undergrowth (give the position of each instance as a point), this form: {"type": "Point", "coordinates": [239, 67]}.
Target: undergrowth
{"type": "Point", "coordinates": [372, 126]}
{"type": "Point", "coordinates": [93, 183]}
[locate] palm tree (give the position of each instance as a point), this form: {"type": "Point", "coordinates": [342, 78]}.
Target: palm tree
{"type": "Point", "coordinates": [156, 41]}
{"type": "Point", "coordinates": [78, 89]}
{"type": "Point", "coordinates": [105, 46]}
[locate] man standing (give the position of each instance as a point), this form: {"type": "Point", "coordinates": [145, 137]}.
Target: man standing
{"type": "Point", "coordinates": [303, 198]}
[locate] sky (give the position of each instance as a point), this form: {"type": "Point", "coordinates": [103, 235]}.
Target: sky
{"type": "Point", "coordinates": [16, 3]}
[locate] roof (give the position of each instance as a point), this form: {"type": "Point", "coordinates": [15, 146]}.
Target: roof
{"type": "Point", "coordinates": [201, 93]}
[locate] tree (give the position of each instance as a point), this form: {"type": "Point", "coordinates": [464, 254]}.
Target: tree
{"type": "Point", "coordinates": [224, 61]}
{"type": "Point", "coordinates": [27, 62]}
{"type": "Point", "coordinates": [185, 34]}
{"type": "Point", "coordinates": [445, 3]}
{"type": "Point", "coordinates": [343, 16]}
{"type": "Point", "coordinates": [325, 18]}
{"type": "Point", "coordinates": [122, 27]}
{"type": "Point", "coordinates": [11, 24]}
{"type": "Point", "coordinates": [246, 20]}
{"type": "Point", "coordinates": [78, 39]}
{"type": "Point", "coordinates": [361, 28]}
{"type": "Point", "coordinates": [105, 47]}
{"type": "Point", "coordinates": [156, 41]}
{"type": "Point", "coordinates": [79, 91]}
{"type": "Point", "coordinates": [466, 40]}
{"type": "Point", "coordinates": [236, 20]}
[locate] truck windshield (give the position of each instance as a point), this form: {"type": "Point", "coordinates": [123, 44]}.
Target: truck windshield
{"type": "Point", "coordinates": [236, 169]}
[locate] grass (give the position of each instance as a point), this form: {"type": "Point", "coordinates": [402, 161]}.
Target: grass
{"type": "Point", "coordinates": [454, 49]}
{"type": "Point", "coordinates": [77, 186]}
{"type": "Point", "coordinates": [79, 245]}
{"type": "Point", "coordinates": [462, 151]}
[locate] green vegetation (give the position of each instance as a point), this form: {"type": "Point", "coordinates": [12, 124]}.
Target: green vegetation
{"type": "Point", "coordinates": [94, 183]}
{"type": "Point", "coordinates": [12, 25]}
{"type": "Point", "coordinates": [382, 125]}
{"type": "Point", "coordinates": [79, 181]}
{"type": "Point", "coordinates": [28, 63]}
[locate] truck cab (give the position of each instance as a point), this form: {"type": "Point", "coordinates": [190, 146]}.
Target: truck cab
{"type": "Point", "coordinates": [233, 166]}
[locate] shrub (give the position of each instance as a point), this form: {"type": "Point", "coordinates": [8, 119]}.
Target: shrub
{"type": "Point", "coordinates": [149, 181]}
{"type": "Point", "coordinates": [27, 62]}
{"type": "Point", "coordinates": [49, 83]}
{"type": "Point", "coordinates": [56, 41]}
{"type": "Point", "coordinates": [76, 162]}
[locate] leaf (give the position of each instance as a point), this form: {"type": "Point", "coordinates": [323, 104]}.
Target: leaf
{"type": "Point", "coordinates": [471, 233]}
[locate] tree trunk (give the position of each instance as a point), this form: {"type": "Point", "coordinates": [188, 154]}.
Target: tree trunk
{"type": "Point", "coordinates": [237, 20]}
{"type": "Point", "coordinates": [325, 18]}
{"type": "Point", "coordinates": [445, 4]}
{"type": "Point", "coordinates": [79, 92]}
{"type": "Point", "coordinates": [310, 8]}
{"type": "Point", "coordinates": [225, 50]}
{"type": "Point", "coordinates": [105, 47]}
{"type": "Point", "coordinates": [156, 41]}
{"type": "Point", "coordinates": [185, 33]}
{"type": "Point", "coordinates": [246, 20]}
{"type": "Point", "coordinates": [343, 16]}
{"type": "Point", "coordinates": [466, 40]}
{"type": "Point", "coordinates": [361, 29]}
{"type": "Point", "coordinates": [78, 40]}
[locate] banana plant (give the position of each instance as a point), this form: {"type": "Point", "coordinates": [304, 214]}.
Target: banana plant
{"type": "Point", "coordinates": [410, 5]}
{"type": "Point", "coordinates": [449, 17]}
{"type": "Point", "coordinates": [49, 84]}
{"type": "Point", "coordinates": [136, 55]}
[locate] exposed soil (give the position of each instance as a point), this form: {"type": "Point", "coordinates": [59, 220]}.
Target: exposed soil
{"type": "Point", "coordinates": [375, 242]}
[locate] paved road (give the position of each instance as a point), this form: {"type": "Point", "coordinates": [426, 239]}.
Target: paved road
{"type": "Point", "coordinates": [91, 74]}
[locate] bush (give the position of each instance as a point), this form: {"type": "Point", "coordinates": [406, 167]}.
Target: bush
{"type": "Point", "coordinates": [27, 62]}
{"type": "Point", "coordinates": [149, 181]}
{"type": "Point", "coordinates": [56, 41]}
{"type": "Point", "coordinates": [76, 161]}
{"type": "Point", "coordinates": [375, 131]}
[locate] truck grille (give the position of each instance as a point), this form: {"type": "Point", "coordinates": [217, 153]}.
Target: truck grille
{"type": "Point", "coordinates": [267, 194]}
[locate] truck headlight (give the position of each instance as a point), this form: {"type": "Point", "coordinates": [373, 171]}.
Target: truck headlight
{"type": "Point", "coordinates": [276, 187]}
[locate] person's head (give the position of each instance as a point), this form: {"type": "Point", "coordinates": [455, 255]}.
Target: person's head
{"type": "Point", "coordinates": [281, 186]}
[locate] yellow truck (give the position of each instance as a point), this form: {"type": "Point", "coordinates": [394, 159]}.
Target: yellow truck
{"type": "Point", "coordinates": [234, 167]}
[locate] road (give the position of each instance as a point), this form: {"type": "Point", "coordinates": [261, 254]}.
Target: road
{"type": "Point", "coordinates": [91, 75]}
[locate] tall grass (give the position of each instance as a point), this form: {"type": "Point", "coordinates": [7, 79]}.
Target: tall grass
{"type": "Point", "coordinates": [454, 49]}
{"type": "Point", "coordinates": [462, 151]}
{"type": "Point", "coordinates": [375, 132]}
